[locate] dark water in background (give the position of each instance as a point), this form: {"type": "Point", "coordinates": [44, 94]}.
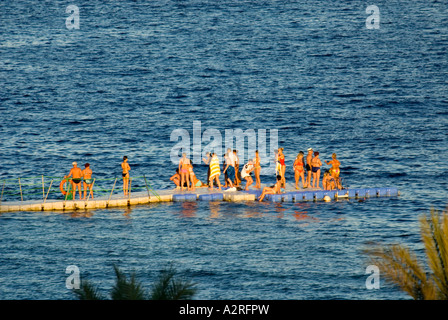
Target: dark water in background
{"type": "Point", "coordinates": [137, 70]}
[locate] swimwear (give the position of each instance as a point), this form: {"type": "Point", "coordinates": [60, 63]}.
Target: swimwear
{"type": "Point", "coordinates": [214, 168]}
{"type": "Point", "coordinates": [315, 169]}
{"type": "Point", "coordinates": [308, 168]}
{"type": "Point", "coordinates": [184, 165]}
{"type": "Point", "coordinates": [282, 161]}
{"type": "Point", "coordinates": [88, 181]}
{"type": "Point", "coordinates": [231, 173]}
{"type": "Point", "coordinates": [76, 181]}
{"type": "Point", "coordinates": [335, 172]}
{"type": "Point", "coordinates": [299, 167]}
{"type": "Point", "coordinates": [124, 175]}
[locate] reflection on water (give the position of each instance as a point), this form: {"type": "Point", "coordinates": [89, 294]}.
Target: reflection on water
{"type": "Point", "coordinates": [189, 209]}
{"type": "Point", "coordinates": [214, 209]}
{"type": "Point", "coordinates": [80, 214]}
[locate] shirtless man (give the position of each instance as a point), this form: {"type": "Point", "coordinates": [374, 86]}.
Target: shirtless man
{"type": "Point", "coordinates": [88, 181]}
{"type": "Point", "coordinates": [126, 168]}
{"type": "Point", "coordinates": [76, 174]}
{"type": "Point", "coordinates": [309, 157]}
{"type": "Point", "coordinates": [230, 168]}
{"type": "Point", "coordinates": [237, 168]}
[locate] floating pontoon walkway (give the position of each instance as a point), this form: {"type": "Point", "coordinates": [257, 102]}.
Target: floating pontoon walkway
{"type": "Point", "coordinates": [200, 194]}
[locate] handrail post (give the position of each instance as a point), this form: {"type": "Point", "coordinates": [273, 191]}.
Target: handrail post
{"type": "Point", "coordinates": [147, 189]}
{"type": "Point", "coordinates": [21, 195]}
{"type": "Point", "coordinates": [43, 188]}
{"type": "Point", "coordinates": [110, 196]}
{"type": "Point", "coordinates": [1, 197]}
{"type": "Point", "coordinates": [51, 182]}
{"type": "Point", "coordinates": [68, 190]}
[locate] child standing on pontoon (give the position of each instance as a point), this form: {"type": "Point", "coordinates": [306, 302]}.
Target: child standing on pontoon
{"type": "Point", "coordinates": [184, 164]}
{"type": "Point", "coordinates": [215, 171]}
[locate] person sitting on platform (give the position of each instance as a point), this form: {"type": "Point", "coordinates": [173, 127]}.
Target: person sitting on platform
{"type": "Point", "coordinates": [176, 178]}
{"type": "Point", "coordinates": [275, 189]}
{"type": "Point", "coordinates": [328, 181]}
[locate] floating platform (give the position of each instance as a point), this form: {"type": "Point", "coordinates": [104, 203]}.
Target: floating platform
{"type": "Point", "coordinates": [290, 194]}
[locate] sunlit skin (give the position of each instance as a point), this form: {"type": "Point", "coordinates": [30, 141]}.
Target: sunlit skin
{"type": "Point", "coordinates": [248, 178]}
{"type": "Point", "coordinates": [176, 178]}
{"type": "Point", "coordinates": [192, 177]}
{"type": "Point", "coordinates": [309, 157]}
{"type": "Point", "coordinates": [299, 171]}
{"type": "Point", "coordinates": [335, 170]}
{"type": "Point", "coordinates": [87, 175]}
{"type": "Point", "coordinates": [281, 159]}
{"type": "Point", "coordinates": [274, 190]}
{"type": "Point", "coordinates": [214, 162]}
{"type": "Point", "coordinates": [316, 163]}
{"type": "Point", "coordinates": [237, 169]}
{"type": "Point", "coordinates": [328, 182]}
{"type": "Point", "coordinates": [126, 168]}
{"type": "Point", "coordinates": [257, 169]}
{"type": "Point", "coordinates": [76, 174]}
{"type": "Point", "coordinates": [184, 162]}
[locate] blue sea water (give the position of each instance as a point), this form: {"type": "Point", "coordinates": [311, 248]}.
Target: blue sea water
{"type": "Point", "coordinates": [135, 71]}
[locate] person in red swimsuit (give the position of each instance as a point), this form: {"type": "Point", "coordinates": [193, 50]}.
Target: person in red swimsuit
{"type": "Point", "coordinates": [281, 160]}
{"type": "Point", "coordinates": [299, 171]}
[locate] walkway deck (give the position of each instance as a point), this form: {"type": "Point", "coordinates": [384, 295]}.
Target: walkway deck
{"type": "Point", "coordinates": [200, 194]}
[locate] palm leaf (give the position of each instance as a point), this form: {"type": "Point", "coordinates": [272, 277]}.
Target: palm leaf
{"type": "Point", "coordinates": [434, 229]}
{"type": "Point", "coordinates": [88, 291]}
{"type": "Point", "coordinates": [398, 265]}
{"type": "Point", "coordinates": [167, 287]}
{"type": "Point", "coordinates": [125, 289]}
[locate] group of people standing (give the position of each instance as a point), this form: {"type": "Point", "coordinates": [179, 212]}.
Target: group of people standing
{"type": "Point", "coordinates": [309, 165]}
{"type": "Point", "coordinates": [186, 178]}
{"type": "Point", "coordinates": [85, 176]}
{"type": "Point", "coordinates": [312, 166]}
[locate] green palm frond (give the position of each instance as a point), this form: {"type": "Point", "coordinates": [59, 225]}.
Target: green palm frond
{"type": "Point", "coordinates": [434, 229]}
{"type": "Point", "coordinates": [88, 291]}
{"type": "Point", "coordinates": [125, 289]}
{"type": "Point", "coordinates": [167, 287]}
{"type": "Point", "coordinates": [402, 268]}
{"type": "Point", "coordinates": [399, 266]}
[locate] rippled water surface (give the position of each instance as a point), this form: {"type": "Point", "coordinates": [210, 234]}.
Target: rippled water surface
{"type": "Point", "coordinates": [137, 70]}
